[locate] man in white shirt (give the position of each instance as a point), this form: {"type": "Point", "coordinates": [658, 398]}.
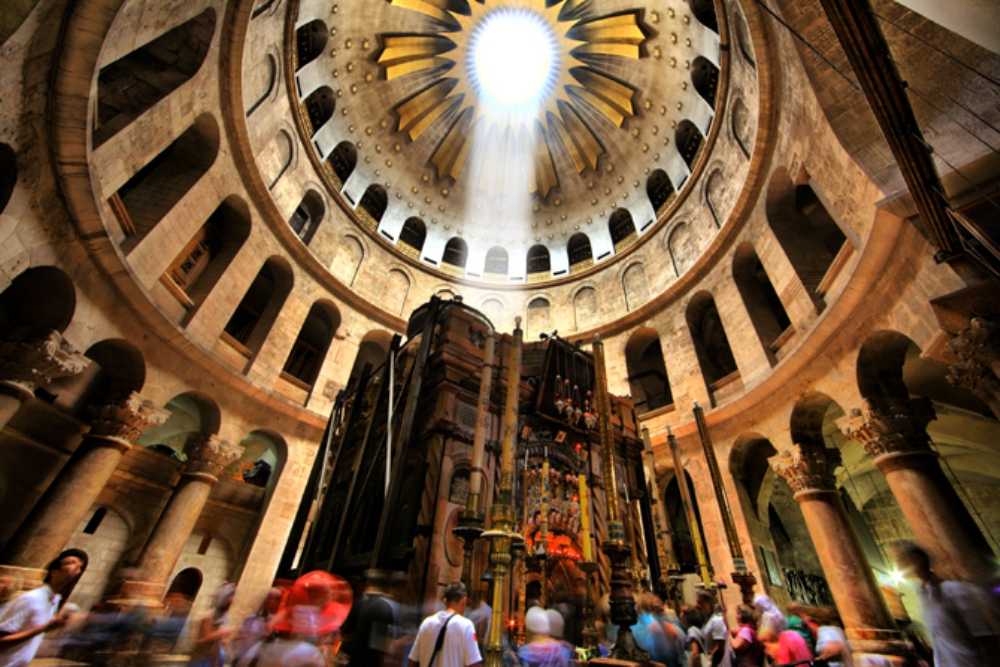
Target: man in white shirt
{"type": "Point", "coordinates": [715, 631]}
{"type": "Point", "coordinates": [446, 638]}
{"type": "Point", "coordinates": [24, 622]}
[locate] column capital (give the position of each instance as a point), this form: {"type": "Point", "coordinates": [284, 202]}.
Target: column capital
{"type": "Point", "coordinates": [125, 419]}
{"type": "Point", "coordinates": [891, 427]}
{"type": "Point", "coordinates": [977, 348]}
{"type": "Point", "coordinates": [40, 361]}
{"type": "Point", "coordinates": [806, 468]}
{"type": "Point", "coordinates": [208, 454]}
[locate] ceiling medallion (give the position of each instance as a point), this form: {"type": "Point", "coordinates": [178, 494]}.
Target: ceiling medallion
{"type": "Point", "coordinates": [458, 62]}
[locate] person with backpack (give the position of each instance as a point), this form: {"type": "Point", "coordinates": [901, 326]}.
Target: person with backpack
{"type": "Point", "coordinates": [446, 638]}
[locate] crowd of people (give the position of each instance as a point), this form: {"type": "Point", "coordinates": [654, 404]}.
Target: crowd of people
{"type": "Point", "coordinates": [318, 622]}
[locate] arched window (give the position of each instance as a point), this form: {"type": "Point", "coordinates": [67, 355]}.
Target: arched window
{"type": "Point", "coordinates": [585, 307]}
{"type": "Point", "coordinates": [371, 353]}
{"type": "Point", "coordinates": [688, 141]}
{"type": "Point", "coordinates": [539, 260]}
{"type": "Point", "coordinates": [741, 126]}
{"type": "Point", "coordinates": [743, 37]}
{"type": "Point", "coordinates": [8, 174]}
{"type": "Point", "coordinates": [622, 228]}
{"type": "Point", "coordinates": [307, 216]}
{"type": "Point", "coordinates": [153, 190]}
{"type": "Point", "coordinates": [39, 300]}
{"type": "Point", "coordinates": [659, 189]}
{"type": "Point", "coordinates": [412, 237]}
{"type": "Point", "coordinates": [374, 202]}
{"type": "Point", "coordinates": [320, 106]}
{"type": "Point", "coordinates": [134, 83]}
{"type": "Point", "coordinates": [766, 311]}
{"type": "Point", "coordinates": [635, 285]}
{"type": "Point", "coordinates": [497, 261]}
{"type": "Point", "coordinates": [456, 253]}
{"type": "Point", "coordinates": [200, 264]}
{"type": "Point", "coordinates": [310, 40]}
{"type": "Point", "coordinates": [311, 345]}
{"type": "Point", "coordinates": [180, 596]}
{"type": "Point", "coordinates": [539, 317]}
{"type": "Point", "coordinates": [705, 77]}
{"type": "Point", "coordinates": [580, 253]}
{"type": "Point", "coordinates": [806, 232]}
{"type": "Point", "coordinates": [704, 11]}
{"type": "Point", "coordinates": [715, 189]}
{"type": "Point", "coordinates": [683, 248]}
{"type": "Point", "coordinates": [257, 311]}
{"type": "Point", "coordinates": [262, 85]}
{"type": "Point", "coordinates": [343, 160]}
{"type": "Point", "coordinates": [715, 356]}
{"type": "Point", "coordinates": [647, 373]}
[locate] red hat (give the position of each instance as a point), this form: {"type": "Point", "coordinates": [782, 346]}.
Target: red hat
{"type": "Point", "coordinates": [328, 595]}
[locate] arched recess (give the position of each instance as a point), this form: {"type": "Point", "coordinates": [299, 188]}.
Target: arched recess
{"type": "Point", "coordinates": [347, 261]}
{"type": "Point", "coordinates": [806, 232]}
{"type": "Point", "coordinates": [635, 286]}
{"type": "Point", "coordinates": [680, 528]}
{"type": "Point", "coordinates": [749, 464]}
{"type": "Point", "coordinates": [683, 248]}
{"type": "Point", "coordinates": [310, 41]}
{"type": "Point", "coordinates": [456, 253]}
{"type": "Point", "coordinates": [8, 174]}
{"type": "Point", "coordinates": [181, 594]}
{"type": "Point", "coordinates": [104, 534]}
{"type": "Point", "coordinates": [262, 462]}
{"type": "Point", "coordinates": [251, 322]}
{"type": "Point", "coordinates": [371, 353]}
{"type": "Point", "coordinates": [715, 356]}
{"type": "Point", "coordinates": [659, 189]}
{"type": "Point", "coordinates": [539, 262]}
{"type": "Point", "coordinates": [412, 237]}
{"type": "Point", "coordinates": [118, 369]}
{"type": "Point", "coordinates": [743, 37]}
{"type": "Point", "coordinates": [155, 189]}
{"type": "Point", "coordinates": [767, 313]}
{"type": "Point", "coordinates": [137, 81]}
{"type": "Point", "coordinates": [705, 78]}
{"type": "Point", "coordinates": [308, 216]}
{"type": "Point", "coordinates": [278, 158]}
{"type": "Point", "coordinates": [493, 309]}
{"type": "Point", "coordinates": [539, 316]}
{"type": "Point", "coordinates": [585, 308]}
{"type": "Point", "coordinates": [311, 345]}
{"type": "Point", "coordinates": [191, 414]}
{"type": "Point", "coordinates": [622, 228]}
{"type": "Point", "coordinates": [497, 261]}
{"type": "Point", "coordinates": [581, 255]}
{"type": "Point", "coordinates": [688, 140]}
{"type": "Point", "coordinates": [343, 161]}
{"type": "Point", "coordinates": [263, 85]}
{"type": "Point", "coordinates": [741, 126]}
{"type": "Point", "coordinates": [704, 12]}
{"type": "Point", "coordinates": [38, 301]}
{"type": "Point", "coordinates": [320, 106]}
{"type": "Point", "coordinates": [374, 202]}
{"type": "Point", "coordinates": [647, 373]}
{"type": "Point", "coordinates": [715, 191]}
{"type": "Point", "coordinates": [200, 264]}
{"type": "Point", "coordinates": [399, 289]}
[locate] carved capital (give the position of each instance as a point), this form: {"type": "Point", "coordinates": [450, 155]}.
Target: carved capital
{"type": "Point", "coordinates": [40, 361]}
{"type": "Point", "coordinates": [893, 427]}
{"type": "Point", "coordinates": [125, 419]}
{"type": "Point", "coordinates": [210, 455]}
{"type": "Point", "coordinates": [805, 468]}
{"type": "Point", "coordinates": [977, 349]}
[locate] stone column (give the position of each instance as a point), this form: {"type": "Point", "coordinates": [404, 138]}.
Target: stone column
{"type": "Point", "coordinates": [867, 621]}
{"type": "Point", "coordinates": [25, 364]}
{"type": "Point", "coordinates": [208, 456]}
{"type": "Point", "coordinates": [977, 349]}
{"type": "Point", "coordinates": [894, 433]}
{"type": "Point", "coordinates": [52, 522]}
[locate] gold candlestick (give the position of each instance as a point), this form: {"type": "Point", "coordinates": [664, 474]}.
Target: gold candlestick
{"type": "Point", "coordinates": [584, 492]}
{"type": "Point", "coordinates": [704, 567]}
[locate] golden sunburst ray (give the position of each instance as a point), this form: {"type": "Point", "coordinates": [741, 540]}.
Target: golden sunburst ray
{"type": "Point", "coordinates": [583, 41]}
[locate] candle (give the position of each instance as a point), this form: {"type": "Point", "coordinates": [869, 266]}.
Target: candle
{"type": "Point", "coordinates": [588, 550]}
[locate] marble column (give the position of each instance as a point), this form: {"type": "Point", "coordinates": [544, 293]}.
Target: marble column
{"type": "Point", "coordinates": [208, 456]}
{"type": "Point", "coordinates": [52, 522]}
{"type": "Point", "coordinates": [894, 433]}
{"type": "Point", "coordinates": [977, 366]}
{"type": "Point", "coordinates": [867, 622]}
{"type": "Point", "coordinates": [25, 364]}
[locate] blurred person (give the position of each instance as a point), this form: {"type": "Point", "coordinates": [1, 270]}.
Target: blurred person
{"type": "Point", "coordinates": [798, 620]}
{"type": "Point", "coordinates": [787, 648]}
{"type": "Point", "coordinates": [8, 587]}
{"type": "Point", "coordinates": [257, 627]}
{"type": "Point", "coordinates": [694, 640]}
{"type": "Point", "coordinates": [959, 616]}
{"type": "Point", "coordinates": [212, 633]}
{"type": "Point", "coordinates": [557, 630]}
{"type": "Point", "coordinates": [653, 633]}
{"type": "Point", "coordinates": [541, 650]}
{"type": "Point", "coordinates": [480, 613]}
{"type": "Point", "coordinates": [26, 619]}
{"type": "Point", "coordinates": [446, 638]}
{"type": "Point", "coordinates": [770, 620]}
{"type": "Point", "coordinates": [831, 642]}
{"type": "Point", "coordinates": [748, 650]}
{"type": "Point", "coordinates": [371, 627]}
{"type": "Point", "coordinates": [715, 633]}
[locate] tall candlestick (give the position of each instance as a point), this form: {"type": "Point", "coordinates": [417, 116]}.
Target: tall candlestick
{"type": "Point", "coordinates": [661, 527]}
{"type": "Point", "coordinates": [704, 567]}
{"type": "Point", "coordinates": [588, 549]}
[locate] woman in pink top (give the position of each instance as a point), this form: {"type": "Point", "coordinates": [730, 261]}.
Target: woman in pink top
{"type": "Point", "coordinates": [789, 649]}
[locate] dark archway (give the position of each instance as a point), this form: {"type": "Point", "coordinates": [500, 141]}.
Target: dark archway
{"type": "Point", "coordinates": [39, 300]}
{"type": "Point", "coordinates": [497, 261]}
{"type": "Point", "coordinates": [704, 12]}
{"type": "Point", "coordinates": [621, 227]}
{"type": "Point", "coordinates": [412, 236]}
{"type": "Point", "coordinates": [307, 216]}
{"type": "Point", "coordinates": [767, 313]}
{"type": "Point", "coordinates": [538, 260]}
{"type": "Point", "coordinates": [374, 202]}
{"type": "Point", "coordinates": [579, 251]}
{"type": "Point", "coordinates": [647, 372]}
{"type": "Point", "coordinates": [705, 78]}
{"type": "Point", "coordinates": [659, 189]}
{"type": "Point", "coordinates": [310, 41]}
{"type": "Point", "coordinates": [8, 174]}
{"type": "Point", "coordinates": [311, 345]}
{"type": "Point", "coordinates": [320, 106]}
{"type": "Point", "coordinates": [251, 322]}
{"type": "Point", "coordinates": [343, 160]}
{"type": "Point", "coordinates": [688, 139]}
{"type": "Point", "coordinates": [715, 356]}
{"type": "Point", "coordinates": [456, 253]}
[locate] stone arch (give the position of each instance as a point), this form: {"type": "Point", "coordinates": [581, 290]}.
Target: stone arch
{"type": "Point", "coordinates": [191, 414]}
{"type": "Point", "coordinates": [310, 41]}
{"type": "Point", "coordinates": [320, 105]}
{"type": "Point", "coordinates": [104, 535]}
{"type": "Point", "coordinates": [8, 174]}
{"type": "Point", "coordinates": [278, 158]}
{"type": "Point", "coordinates": [38, 301]}
{"type": "Point", "coordinates": [456, 253]}
{"type": "Point", "coordinates": [497, 261]}
{"type": "Point", "coordinates": [805, 230]}
{"type": "Point", "coordinates": [741, 121]}
{"type": "Point", "coordinates": [201, 263]}
{"type": "Point", "coordinates": [750, 467]}
{"type": "Point", "coordinates": [413, 236]}
{"type": "Point", "coordinates": [308, 352]}
{"type": "Point", "coordinates": [538, 261]}
{"type": "Point", "coordinates": [647, 373]}
{"type": "Point", "coordinates": [715, 355]}
{"type": "Point", "coordinates": [137, 81]}
{"type": "Point", "coordinates": [580, 251]}
{"type": "Point", "coordinates": [687, 140]}
{"type": "Point", "coordinates": [256, 313]}
{"type": "Point", "coordinates": [715, 191]}
{"type": "Point", "coordinates": [743, 36]}
{"type": "Point", "coordinates": [120, 370]}
{"type": "Point", "coordinates": [347, 261]}
{"type": "Point", "coordinates": [493, 308]}
{"type": "Point", "coordinates": [264, 86]}
{"type": "Point", "coordinates": [585, 308]}
{"type": "Point", "coordinates": [374, 202]}
{"type": "Point", "coordinates": [151, 192]}
{"type": "Point", "coordinates": [705, 79]}
{"type": "Point", "coordinates": [399, 289]}
{"type": "Point", "coordinates": [308, 215]}
{"type": "Point", "coordinates": [343, 160]}
{"type": "Point", "coordinates": [704, 12]}
{"type": "Point", "coordinates": [182, 593]}
{"type": "Point", "coordinates": [812, 418]}
{"type": "Point", "coordinates": [539, 315]}
{"type": "Point", "coordinates": [622, 228]}
{"type": "Point", "coordinates": [767, 312]}
{"type": "Point", "coordinates": [635, 285]}
{"type": "Point", "coordinates": [659, 189]}
{"type": "Point", "coordinates": [372, 351]}
{"type": "Point", "coordinates": [683, 247]}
